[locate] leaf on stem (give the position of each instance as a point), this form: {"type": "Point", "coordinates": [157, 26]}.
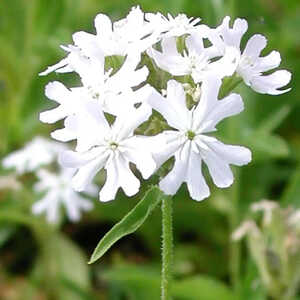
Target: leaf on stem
{"type": "Point", "coordinates": [130, 223]}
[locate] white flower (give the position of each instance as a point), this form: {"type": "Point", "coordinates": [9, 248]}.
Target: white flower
{"type": "Point", "coordinates": [100, 84]}
{"type": "Point", "coordinates": [60, 193]}
{"type": "Point", "coordinates": [71, 101]}
{"type": "Point", "coordinates": [247, 227]}
{"type": "Point", "coordinates": [251, 67]}
{"type": "Point", "coordinates": [197, 61]}
{"type": "Point", "coordinates": [113, 92]}
{"type": "Point", "coordinates": [172, 26]}
{"type": "Point", "coordinates": [267, 207]}
{"type": "Point", "coordinates": [35, 154]}
{"type": "Point", "coordinates": [189, 142]}
{"type": "Point", "coordinates": [82, 113]}
{"type": "Point", "coordinates": [232, 36]}
{"type": "Point", "coordinates": [92, 56]}
{"type": "Point", "coordinates": [132, 34]}
{"type": "Point", "coordinates": [113, 148]}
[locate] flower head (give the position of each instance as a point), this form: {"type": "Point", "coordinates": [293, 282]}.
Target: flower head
{"type": "Point", "coordinates": [112, 147]}
{"type": "Point", "coordinates": [102, 114]}
{"type": "Point", "coordinates": [189, 142]}
{"type": "Point", "coordinates": [172, 26]}
{"type": "Point", "coordinates": [36, 153]}
{"type": "Point", "coordinates": [59, 192]}
{"type": "Point", "coordinates": [251, 66]}
{"type": "Point", "coordinates": [197, 61]}
{"type": "Point", "coordinates": [113, 93]}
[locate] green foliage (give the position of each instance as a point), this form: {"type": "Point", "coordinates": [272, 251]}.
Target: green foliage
{"type": "Point", "coordinates": [144, 283]}
{"type": "Point", "coordinates": [292, 191]}
{"type": "Point", "coordinates": [135, 282]}
{"type": "Point", "coordinates": [62, 267]}
{"type": "Point", "coordinates": [202, 288]}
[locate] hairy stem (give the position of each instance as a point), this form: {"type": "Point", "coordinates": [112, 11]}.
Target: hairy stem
{"type": "Point", "coordinates": [167, 248]}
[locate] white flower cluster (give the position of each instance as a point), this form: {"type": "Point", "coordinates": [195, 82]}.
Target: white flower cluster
{"type": "Point", "coordinates": [37, 153]}
{"type": "Point", "coordinates": [56, 187]}
{"type": "Point", "coordinates": [111, 102]}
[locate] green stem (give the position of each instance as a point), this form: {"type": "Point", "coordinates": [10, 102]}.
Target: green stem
{"type": "Point", "coordinates": [167, 248]}
{"type": "Point", "coordinates": [229, 84]}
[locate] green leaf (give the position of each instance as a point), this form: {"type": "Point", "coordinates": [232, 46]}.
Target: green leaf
{"type": "Point", "coordinates": [16, 217]}
{"type": "Point", "coordinates": [266, 145]}
{"type": "Point", "coordinates": [130, 223]}
{"type": "Point", "coordinates": [249, 290]}
{"type": "Point", "coordinates": [143, 282]}
{"type": "Point", "coordinates": [70, 260]}
{"type": "Point", "coordinates": [292, 191]}
{"type": "Point", "coordinates": [61, 267]}
{"type": "Point", "coordinates": [201, 287]}
{"type": "Point", "coordinates": [77, 290]}
{"type": "Point", "coordinates": [275, 119]}
{"type": "Point", "coordinates": [138, 282]}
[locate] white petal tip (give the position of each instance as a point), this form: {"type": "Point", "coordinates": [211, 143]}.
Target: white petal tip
{"type": "Point", "coordinates": [198, 199]}
{"type": "Point", "coordinates": [102, 199]}
{"type": "Point", "coordinates": [44, 73]}
{"type": "Point", "coordinates": [43, 117]}
{"type": "Point", "coordinates": [224, 184]}
{"type": "Point", "coordinates": [77, 188]}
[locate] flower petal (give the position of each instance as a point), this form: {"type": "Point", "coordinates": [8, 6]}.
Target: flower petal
{"type": "Point", "coordinates": [166, 144]}
{"type": "Point", "coordinates": [229, 106]}
{"type": "Point", "coordinates": [54, 115]}
{"type": "Point", "coordinates": [103, 25]}
{"type": "Point", "coordinates": [72, 159]}
{"type": "Point", "coordinates": [232, 36]}
{"type": "Point", "coordinates": [196, 183]}
{"type": "Point", "coordinates": [87, 172]}
{"type": "Point", "coordinates": [194, 44]}
{"type": "Point", "coordinates": [138, 152]}
{"type": "Point", "coordinates": [255, 45]}
{"type": "Point", "coordinates": [209, 97]}
{"type": "Point", "coordinates": [127, 122]}
{"type": "Point", "coordinates": [169, 46]}
{"type": "Point", "coordinates": [227, 64]}
{"type": "Point", "coordinates": [173, 109]}
{"type": "Point", "coordinates": [88, 44]}
{"type": "Point", "coordinates": [111, 186]}
{"type": "Point", "coordinates": [59, 65]}
{"type": "Point", "coordinates": [129, 183]}
{"type": "Point", "coordinates": [232, 154]}
{"type": "Point", "coordinates": [218, 168]}
{"type": "Point", "coordinates": [57, 91]}
{"type": "Point", "coordinates": [169, 59]}
{"type": "Point", "coordinates": [268, 62]}
{"type": "Point", "coordinates": [269, 84]}
{"type": "Point", "coordinates": [63, 135]}
{"type": "Point", "coordinates": [128, 76]}
{"type": "Point", "coordinates": [171, 183]}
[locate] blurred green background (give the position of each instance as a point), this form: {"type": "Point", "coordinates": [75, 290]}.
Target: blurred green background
{"type": "Point", "coordinates": [39, 261]}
